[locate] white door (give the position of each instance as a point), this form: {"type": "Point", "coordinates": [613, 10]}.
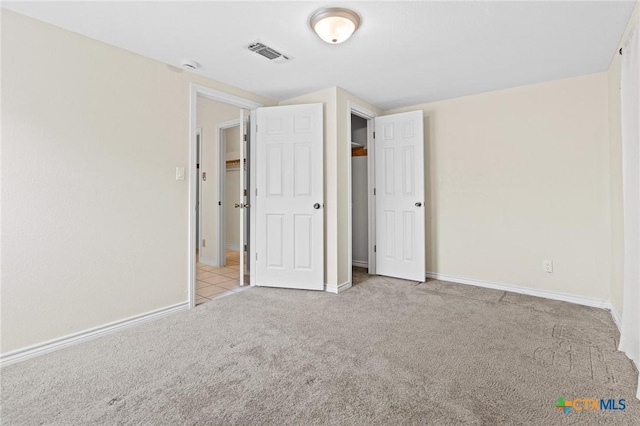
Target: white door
{"type": "Point", "coordinates": [289, 209]}
{"type": "Point", "coordinates": [244, 116]}
{"type": "Point", "coordinates": [400, 209]}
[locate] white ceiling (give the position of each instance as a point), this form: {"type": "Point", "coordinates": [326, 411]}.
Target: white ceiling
{"type": "Point", "coordinates": [404, 53]}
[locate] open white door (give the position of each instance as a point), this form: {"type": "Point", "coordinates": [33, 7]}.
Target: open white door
{"type": "Point", "coordinates": [244, 116]}
{"type": "Point", "coordinates": [400, 209]}
{"type": "Point", "coordinates": [289, 207]}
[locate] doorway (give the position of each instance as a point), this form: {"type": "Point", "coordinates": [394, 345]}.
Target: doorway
{"type": "Point", "coordinates": [208, 276]}
{"type": "Point", "coordinates": [394, 205]}
{"type": "Point", "coordinates": [361, 141]}
{"type": "Point", "coordinates": [234, 186]}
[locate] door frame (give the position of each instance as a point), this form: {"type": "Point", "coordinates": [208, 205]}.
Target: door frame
{"type": "Point", "coordinates": [222, 179]}
{"type": "Point", "coordinates": [196, 90]}
{"type": "Point", "coordinates": [360, 111]}
{"type": "Point", "coordinates": [199, 185]}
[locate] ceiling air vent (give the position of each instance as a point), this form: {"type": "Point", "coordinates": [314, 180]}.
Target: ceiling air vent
{"type": "Point", "coordinates": [269, 52]}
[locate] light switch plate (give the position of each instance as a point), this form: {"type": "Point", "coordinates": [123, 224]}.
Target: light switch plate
{"type": "Point", "coordinates": [179, 173]}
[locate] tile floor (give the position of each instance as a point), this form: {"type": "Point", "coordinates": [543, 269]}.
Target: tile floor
{"type": "Point", "coordinates": [213, 282]}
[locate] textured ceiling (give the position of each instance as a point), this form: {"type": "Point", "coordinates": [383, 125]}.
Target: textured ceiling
{"type": "Point", "coordinates": [404, 52]}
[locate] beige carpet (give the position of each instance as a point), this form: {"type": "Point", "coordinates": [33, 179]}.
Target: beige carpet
{"type": "Point", "coordinates": [385, 352]}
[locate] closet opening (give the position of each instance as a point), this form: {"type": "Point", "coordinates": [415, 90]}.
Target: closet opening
{"type": "Point", "coordinates": [362, 178]}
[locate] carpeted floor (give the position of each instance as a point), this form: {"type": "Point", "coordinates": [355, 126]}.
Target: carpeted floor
{"type": "Point", "coordinates": [385, 352]}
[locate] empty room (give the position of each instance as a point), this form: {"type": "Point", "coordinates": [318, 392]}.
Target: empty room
{"type": "Point", "coordinates": [421, 212]}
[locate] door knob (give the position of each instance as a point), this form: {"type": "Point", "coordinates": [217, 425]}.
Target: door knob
{"type": "Point", "coordinates": [316, 206]}
{"type": "Point", "coordinates": [418, 204]}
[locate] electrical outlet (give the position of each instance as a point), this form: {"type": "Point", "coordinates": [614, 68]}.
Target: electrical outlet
{"type": "Point", "coordinates": [547, 266]}
{"type": "Point", "coordinates": [204, 242]}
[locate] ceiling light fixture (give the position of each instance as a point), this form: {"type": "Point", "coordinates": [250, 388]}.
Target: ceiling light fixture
{"type": "Point", "coordinates": [334, 24]}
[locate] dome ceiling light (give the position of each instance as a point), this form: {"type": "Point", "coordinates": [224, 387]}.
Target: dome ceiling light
{"type": "Point", "coordinates": [334, 24]}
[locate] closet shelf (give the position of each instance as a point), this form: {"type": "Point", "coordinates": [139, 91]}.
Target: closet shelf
{"type": "Point", "coordinates": [236, 162]}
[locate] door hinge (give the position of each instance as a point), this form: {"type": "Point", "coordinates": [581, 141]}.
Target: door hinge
{"type": "Point", "coordinates": [375, 249]}
{"type": "Point", "coordinates": [245, 247]}
{"type": "Point", "coordinates": [204, 242]}
{"type": "Point", "coordinates": [244, 137]}
{"type": "Point", "coordinates": [245, 192]}
{"type": "Point", "coordinates": [374, 135]}
{"type": "Point", "coordinates": [219, 203]}
{"type": "Point", "coordinates": [256, 256]}
{"type": "Point", "coordinates": [256, 127]}
{"type": "Point", "coordinates": [374, 191]}
{"type": "Point", "coordinates": [256, 192]}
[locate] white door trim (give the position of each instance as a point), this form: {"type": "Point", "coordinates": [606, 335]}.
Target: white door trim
{"type": "Point", "coordinates": [360, 111]}
{"type": "Point", "coordinates": [222, 180]}
{"type": "Point", "coordinates": [199, 242]}
{"type": "Point", "coordinates": [251, 132]}
{"type": "Point", "coordinates": [196, 90]}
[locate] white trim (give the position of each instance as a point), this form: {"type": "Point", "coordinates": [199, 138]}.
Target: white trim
{"type": "Point", "coordinates": [227, 98]}
{"type": "Point", "coordinates": [615, 316]}
{"type": "Point", "coordinates": [547, 294]}
{"type": "Point", "coordinates": [196, 90]}
{"type": "Point", "coordinates": [228, 124]}
{"type": "Point", "coordinates": [199, 242]}
{"type": "Point", "coordinates": [330, 289]}
{"type": "Point", "coordinates": [344, 286]}
{"type": "Point", "coordinates": [580, 300]}
{"type": "Point", "coordinates": [86, 335]}
{"type": "Point", "coordinates": [371, 183]}
{"type": "Point", "coordinates": [222, 188]}
{"type": "Point", "coordinates": [360, 263]}
{"type": "Point", "coordinates": [251, 132]}
{"type": "Point", "coordinates": [341, 287]}
{"type": "Point", "coordinates": [210, 262]}
{"type": "Point", "coordinates": [354, 108]}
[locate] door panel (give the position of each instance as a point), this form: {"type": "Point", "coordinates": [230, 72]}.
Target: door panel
{"type": "Point", "coordinates": [241, 197]}
{"type": "Point", "coordinates": [289, 233]}
{"type": "Point", "coordinates": [247, 191]}
{"type": "Point", "coordinates": [400, 204]}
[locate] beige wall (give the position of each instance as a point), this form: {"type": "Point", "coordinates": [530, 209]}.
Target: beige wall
{"type": "Point", "coordinates": [94, 223]}
{"type": "Point", "coordinates": [518, 176]}
{"type": "Point", "coordinates": [93, 133]}
{"type": "Point", "coordinates": [210, 115]}
{"type": "Point", "coordinates": [615, 156]}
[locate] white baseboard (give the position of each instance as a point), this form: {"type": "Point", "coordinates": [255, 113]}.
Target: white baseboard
{"type": "Point", "coordinates": [341, 287]}
{"type": "Point", "coordinates": [616, 317]}
{"type": "Point", "coordinates": [360, 263]}
{"type": "Point", "coordinates": [209, 262]}
{"type": "Point", "coordinates": [32, 351]}
{"type": "Point", "coordinates": [580, 300]}
{"type": "Point", "coordinates": [587, 301]}
{"type": "Point", "coordinates": [232, 247]}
